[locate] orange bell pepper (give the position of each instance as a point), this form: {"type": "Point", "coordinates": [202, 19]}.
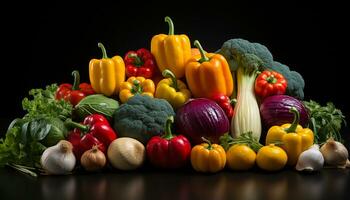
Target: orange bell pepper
{"type": "Point", "coordinates": [208, 74]}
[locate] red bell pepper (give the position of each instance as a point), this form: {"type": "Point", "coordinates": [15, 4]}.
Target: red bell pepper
{"type": "Point", "coordinates": [83, 143]}
{"type": "Point", "coordinates": [168, 151]}
{"type": "Point", "coordinates": [140, 63]}
{"type": "Point", "coordinates": [225, 103]}
{"type": "Point", "coordinates": [270, 83]}
{"type": "Point", "coordinates": [95, 130]}
{"type": "Point", "coordinates": [74, 93]}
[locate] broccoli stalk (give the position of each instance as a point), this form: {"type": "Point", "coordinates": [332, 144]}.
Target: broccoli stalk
{"type": "Point", "coordinates": [234, 49]}
{"type": "Point", "coordinates": [247, 114]}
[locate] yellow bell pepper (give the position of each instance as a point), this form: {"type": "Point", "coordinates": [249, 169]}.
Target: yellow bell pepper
{"type": "Point", "coordinates": [172, 90]}
{"type": "Point", "coordinates": [294, 138]}
{"type": "Point", "coordinates": [106, 74]}
{"type": "Point", "coordinates": [136, 85]}
{"type": "Point", "coordinates": [171, 51]}
{"type": "Point", "coordinates": [207, 157]}
{"type": "Point", "coordinates": [208, 74]}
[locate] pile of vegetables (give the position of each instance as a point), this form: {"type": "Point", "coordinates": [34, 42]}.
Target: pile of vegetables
{"type": "Point", "coordinates": [174, 106]}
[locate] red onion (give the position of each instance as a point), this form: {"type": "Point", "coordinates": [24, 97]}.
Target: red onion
{"type": "Point", "coordinates": [275, 110]}
{"type": "Point", "coordinates": [201, 118]}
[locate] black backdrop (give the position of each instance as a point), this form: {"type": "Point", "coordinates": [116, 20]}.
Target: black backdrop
{"type": "Point", "coordinates": [44, 43]}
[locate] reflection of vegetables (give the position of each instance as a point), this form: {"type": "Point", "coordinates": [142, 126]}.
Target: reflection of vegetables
{"type": "Point", "coordinates": [96, 104]}
{"type": "Point", "coordinates": [207, 157]}
{"type": "Point", "coordinates": [168, 151]}
{"type": "Point", "coordinates": [335, 153]}
{"type": "Point", "coordinates": [325, 121]}
{"type": "Point", "coordinates": [201, 118]}
{"type": "Point", "coordinates": [171, 51]}
{"type": "Point", "coordinates": [142, 117]}
{"type": "Point", "coordinates": [74, 94]}
{"type": "Point", "coordinates": [58, 159]}
{"type": "Point", "coordinates": [275, 110]}
{"type": "Point", "coordinates": [310, 160]}
{"type": "Point", "coordinates": [236, 49]}
{"type": "Point", "coordinates": [208, 74]}
{"type": "Point", "coordinates": [126, 153]}
{"type": "Point", "coordinates": [294, 138]}
{"type": "Point", "coordinates": [271, 158]}
{"type": "Point", "coordinates": [136, 85]}
{"type": "Point", "coordinates": [106, 74]}
{"type": "Point", "coordinates": [270, 83]}
{"type": "Point", "coordinates": [172, 90]}
{"type": "Point", "coordinates": [140, 63]}
{"type": "Point", "coordinates": [93, 159]}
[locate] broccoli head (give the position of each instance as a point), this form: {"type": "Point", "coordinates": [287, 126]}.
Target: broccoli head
{"type": "Point", "coordinates": [142, 117]}
{"type": "Point", "coordinates": [234, 49]}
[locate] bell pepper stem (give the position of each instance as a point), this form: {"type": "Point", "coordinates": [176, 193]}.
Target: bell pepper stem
{"type": "Point", "coordinates": [103, 49]}
{"type": "Point", "coordinates": [204, 58]}
{"type": "Point", "coordinates": [136, 88]}
{"type": "Point", "coordinates": [82, 127]}
{"type": "Point", "coordinates": [271, 79]}
{"type": "Point", "coordinates": [168, 135]}
{"type": "Point", "coordinates": [168, 74]}
{"type": "Point", "coordinates": [207, 141]}
{"type": "Point", "coordinates": [76, 82]}
{"type": "Point", "coordinates": [296, 120]}
{"type": "Point", "coordinates": [137, 60]}
{"type": "Point", "coordinates": [171, 25]}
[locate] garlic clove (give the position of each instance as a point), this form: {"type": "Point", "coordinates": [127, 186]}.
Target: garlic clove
{"type": "Point", "coordinates": [310, 160]}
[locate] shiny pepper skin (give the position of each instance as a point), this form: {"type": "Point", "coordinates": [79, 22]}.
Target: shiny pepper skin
{"type": "Point", "coordinates": [225, 103]}
{"type": "Point", "coordinates": [173, 90]}
{"type": "Point", "coordinates": [140, 63]}
{"type": "Point", "coordinates": [94, 131]}
{"type": "Point", "coordinates": [208, 74]}
{"type": "Point", "coordinates": [74, 93]}
{"type": "Point", "coordinates": [136, 85]}
{"type": "Point", "coordinates": [294, 138]}
{"type": "Point", "coordinates": [270, 83]}
{"type": "Point", "coordinates": [106, 74]}
{"type": "Point", "coordinates": [171, 51]}
{"type": "Point", "coordinates": [168, 151]}
{"type": "Point", "coordinates": [207, 157]}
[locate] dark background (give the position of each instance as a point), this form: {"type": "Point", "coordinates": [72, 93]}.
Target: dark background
{"type": "Point", "coordinates": [44, 43]}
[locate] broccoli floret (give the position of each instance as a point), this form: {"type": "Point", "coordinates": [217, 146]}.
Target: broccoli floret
{"type": "Point", "coordinates": [234, 49]}
{"type": "Point", "coordinates": [142, 117]}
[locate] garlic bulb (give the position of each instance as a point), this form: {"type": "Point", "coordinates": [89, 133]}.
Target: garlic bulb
{"type": "Point", "coordinates": [58, 159]}
{"type": "Point", "coordinates": [310, 160]}
{"type": "Point", "coordinates": [335, 153]}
